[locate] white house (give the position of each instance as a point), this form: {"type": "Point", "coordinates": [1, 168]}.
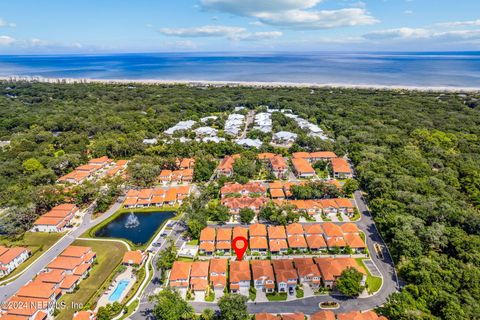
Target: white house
{"type": "Point", "coordinates": [11, 258]}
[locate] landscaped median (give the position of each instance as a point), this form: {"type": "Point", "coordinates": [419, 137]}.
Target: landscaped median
{"type": "Point", "coordinates": [373, 283]}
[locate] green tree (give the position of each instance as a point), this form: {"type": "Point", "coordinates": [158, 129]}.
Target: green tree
{"type": "Point", "coordinates": [233, 307]}
{"type": "Point", "coordinates": [246, 215]}
{"type": "Point", "coordinates": [32, 165]}
{"type": "Point", "coordinates": [168, 256]}
{"type": "Point", "coordinates": [349, 282]}
{"type": "Point", "coordinates": [169, 305]}
{"type": "Point", "coordinates": [350, 186]}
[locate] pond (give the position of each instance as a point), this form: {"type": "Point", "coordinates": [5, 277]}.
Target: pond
{"type": "Point", "coordinates": [138, 227]}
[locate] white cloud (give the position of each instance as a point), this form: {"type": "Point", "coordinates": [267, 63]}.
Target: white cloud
{"type": "Point", "coordinates": [255, 36]}
{"type": "Point", "coordinates": [232, 33]}
{"type": "Point", "coordinates": [252, 7]}
{"type": "Point", "coordinates": [422, 33]}
{"type": "Point", "coordinates": [204, 31]}
{"type": "Point", "coordinates": [408, 12]}
{"type": "Point", "coordinates": [322, 19]}
{"type": "Point", "coordinates": [4, 23]}
{"type": "Point", "coordinates": [6, 40]}
{"type": "Point", "coordinates": [469, 23]}
{"type": "Point", "coordinates": [294, 13]}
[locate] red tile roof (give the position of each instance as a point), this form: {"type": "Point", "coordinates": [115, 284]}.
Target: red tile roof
{"type": "Point", "coordinates": [257, 230]}
{"type": "Point", "coordinates": [207, 234]}
{"type": "Point", "coordinates": [258, 243]}
{"type": "Point", "coordinates": [340, 165]}
{"type": "Point", "coordinates": [239, 271]}
{"type": "Point", "coordinates": [276, 232]}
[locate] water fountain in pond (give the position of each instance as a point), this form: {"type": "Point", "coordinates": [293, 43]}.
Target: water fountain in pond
{"type": "Point", "coordinates": [132, 221]}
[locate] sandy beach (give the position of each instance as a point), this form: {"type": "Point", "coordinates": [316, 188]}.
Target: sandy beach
{"type": "Point", "coordinates": [258, 84]}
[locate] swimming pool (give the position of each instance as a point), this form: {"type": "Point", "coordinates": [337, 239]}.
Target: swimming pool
{"type": "Point", "coordinates": [117, 293]}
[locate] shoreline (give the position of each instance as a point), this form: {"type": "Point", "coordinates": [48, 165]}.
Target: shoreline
{"type": "Point", "coordinates": [255, 84]}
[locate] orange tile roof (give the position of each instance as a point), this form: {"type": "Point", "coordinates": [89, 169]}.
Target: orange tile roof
{"type": "Point", "coordinates": [46, 221]}
{"type": "Point", "coordinates": [293, 316]}
{"type": "Point", "coordinates": [262, 269]}
{"type": "Point", "coordinates": [207, 234]}
{"type": "Point", "coordinates": [257, 230]}
{"type": "Point", "coordinates": [170, 195]}
{"type": "Point", "coordinates": [265, 155]}
{"type": "Point", "coordinates": [145, 193]}
{"type": "Point", "coordinates": [133, 257]}
{"type": "Point", "coordinates": [301, 155]}
{"type": "Point", "coordinates": [37, 289]}
{"type": "Point", "coordinates": [284, 270]}
{"type": "Point", "coordinates": [276, 232]}
{"type": "Point", "coordinates": [302, 261]}
{"type": "Point", "coordinates": [332, 230]}
{"type": "Point", "coordinates": [315, 228]}
{"type": "Point", "coordinates": [323, 315]}
{"type": "Point", "coordinates": [239, 271]}
{"type": "Point", "coordinates": [251, 187]}
{"type": "Point", "coordinates": [81, 269]}
{"type": "Point", "coordinates": [75, 251]}
{"type": "Point", "coordinates": [143, 201]}
{"type": "Point", "coordinates": [180, 270]}
{"type": "Point", "coordinates": [57, 214]}
{"type": "Point", "coordinates": [218, 266]}
{"type": "Point", "coordinates": [227, 162]}
{"type": "Point", "coordinates": [23, 308]}
{"type": "Point", "coordinates": [69, 282]}
{"type": "Point", "coordinates": [199, 269]}
{"type": "Point", "coordinates": [330, 268]}
{"type": "Point", "coordinates": [218, 280]}
{"type": "Point", "coordinates": [84, 315]}
{"type": "Point", "coordinates": [130, 201]}
{"type": "Point", "coordinates": [54, 276]}
{"type": "Point", "coordinates": [11, 254]}
{"type": "Point", "coordinates": [340, 165]}
{"type": "Point", "coordinates": [297, 241]}
{"type": "Point", "coordinates": [65, 263]}
{"type": "Point", "coordinates": [187, 163]}
{"type": "Point", "coordinates": [157, 200]}
{"type": "Point", "coordinates": [357, 315]}
{"type": "Point", "coordinates": [307, 270]}
{"type": "Point", "coordinates": [65, 206]}
{"type": "Point", "coordinates": [266, 316]}
{"type": "Point", "coordinates": [100, 160]}
{"type": "Point", "coordinates": [323, 154]}
{"type": "Point", "coordinates": [240, 232]}
{"type": "Point", "coordinates": [224, 234]}
{"type": "Point", "coordinates": [336, 242]}
{"type": "Point", "coordinates": [199, 284]}
{"type": "Point", "coordinates": [132, 193]}
{"type": "Point", "coordinates": [278, 163]}
{"type": "Point", "coordinates": [349, 227]}
{"type": "Point", "coordinates": [354, 241]}
{"type": "Point", "coordinates": [275, 185]}
{"type": "Point", "coordinates": [277, 193]}
{"type": "Point", "coordinates": [207, 246]}
{"type": "Point", "coordinates": [302, 166]}
{"type": "Point", "coordinates": [278, 245]}
{"type": "Point", "coordinates": [344, 203]}
{"type": "Point", "coordinates": [244, 202]}
{"type": "Point", "coordinates": [316, 242]}
{"type": "Point", "coordinates": [258, 243]}
{"type": "Point", "coordinates": [223, 245]}
{"type": "Point", "coordinates": [294, 228]}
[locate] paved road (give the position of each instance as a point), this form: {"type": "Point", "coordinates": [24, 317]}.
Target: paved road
{"type": "Point", "coordinates": [310, 305]}
{"type": "Point", "coordinates": [11, 288]}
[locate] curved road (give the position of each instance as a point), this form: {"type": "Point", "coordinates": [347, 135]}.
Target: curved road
{"type": "Point", "coordinates": [11, 288]}
{"type": "Point", "coordinates": [310, 305]}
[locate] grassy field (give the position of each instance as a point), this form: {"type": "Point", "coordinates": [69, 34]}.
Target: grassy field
{"type": "Point", "coordinates": [277, 296]}
{"type": "Point", "coordinates": [37, 242]}
{"type": "Point", "coordinates": [109, 256]}
{"type": "Point", "coordinates": [373, 283]}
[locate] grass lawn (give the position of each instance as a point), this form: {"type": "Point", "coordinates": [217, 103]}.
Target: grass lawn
{"type": "Point", "coordinates": [184, 259]}
{"type": "Point", "coordinates": [109, 256]}
{"type": "Point", "coordinates": [277, 296]}
{"type": "Point", "coordinates": [37, 242]}
{"type": "Point", "coordinates": [192, 243]}
{"type": "Point", "coordinates": [373, 283]}
{"type": "Point", "coordinates": [299, 293]}
{"type": "Point", "coordinates": [130, 309]}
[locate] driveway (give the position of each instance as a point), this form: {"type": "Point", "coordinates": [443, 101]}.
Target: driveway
{"type": "Point", "coordinates": [307, 291]}
{"type": "Point", "coordinates": [218, 293]}
{"type": "Point", "coordinates": [261, 296]}
{"type": "Point", "coordinates": [199, 296]}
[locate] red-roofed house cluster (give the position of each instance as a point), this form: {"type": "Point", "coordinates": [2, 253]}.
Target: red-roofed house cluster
{"type": "Point", "coordinates": [321, 206]}
{"type": "Point", "coordinates": [57, 219]}
{"type": "Point", "coordinates": [277, 164]}
{"type": "Point", "coordinates": [226, 165]}
{"type": "Point", "coordinates": [36, 300]}
{"type": "Point", "coordinates": [11, 258]}
{"type": "Point", "coordinates": [282, 275]}
{"type": "Point", "coordinates": [323, 315]}
{"type": "Point", "coordinates": [156, 197]}
{"type": "Point", "coordinates": [302, 161]}
{"type": "Point", "coordinates": [184, 173]}
{"type": "Point", "coordinates": [314, 238]}
{"type": "Point", "coordinates": [95, 168]}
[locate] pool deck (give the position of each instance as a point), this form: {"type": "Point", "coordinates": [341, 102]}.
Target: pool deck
{"type": "Point", "coordinates": [126, 275]}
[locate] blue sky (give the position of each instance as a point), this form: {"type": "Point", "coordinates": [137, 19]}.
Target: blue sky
{"type": "Point", "coordinates": [106, 26]}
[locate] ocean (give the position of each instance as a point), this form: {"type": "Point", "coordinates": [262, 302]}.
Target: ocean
{"type": "Point", "coordinates": [425, 69]}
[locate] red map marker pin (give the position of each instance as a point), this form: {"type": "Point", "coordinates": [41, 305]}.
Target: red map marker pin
{"type": "Point", "coordinates": [240, 245]}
